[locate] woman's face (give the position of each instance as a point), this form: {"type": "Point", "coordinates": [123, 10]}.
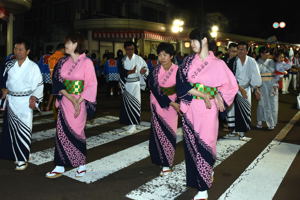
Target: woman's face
{"type": "Point", "coordinates": [196, 47]}
{"type": "Point", "coordinates": [195, 44]}
{"type": "Point", "coordinates": [70, 47]}
{"type": "Point", "coordinates": [164, 58]}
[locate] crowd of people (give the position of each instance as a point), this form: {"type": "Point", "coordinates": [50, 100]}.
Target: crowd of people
{"type": "Point", "coordinates": [199, 89]}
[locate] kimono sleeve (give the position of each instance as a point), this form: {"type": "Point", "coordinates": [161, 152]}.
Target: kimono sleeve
{"type": "Point", "coordinates": [37, 83]}
{"type": "Point", "coordinates": [255, 78]}
{"type": "Point", "coordinates": [90, 82]}
{"type": "Point", "coordinates": [163, 100]}
{"type": "Point", "coordinates": [182, 85]}
{"type": "Point", "coordinates": [229, 86]}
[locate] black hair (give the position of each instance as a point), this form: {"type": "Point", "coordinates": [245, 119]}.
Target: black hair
{"type": "Point", "coordinates": [77, 37]}
{"type": "Point", "coordinates": [263, 49]}
{"type": "Point", "coordinates": [167, 47]}
{"type": "Point", "coordinates": [26, 43]}
{"type": "Point", "coordinates": [242, 43]}
{"type": "Point", "coordinates": [232, 44]}
{"type": "Point", "coordinates": [128, 44]}
{"type": "Point", "coordinates": [119, 53]}
{"type": "Point", "coordinates": [199, 34]}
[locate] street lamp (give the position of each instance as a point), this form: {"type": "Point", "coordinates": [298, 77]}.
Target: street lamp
{"type": "Point", "coordinates": [177, 26]}
{"type": "Point", "coordinates": [214, 31]}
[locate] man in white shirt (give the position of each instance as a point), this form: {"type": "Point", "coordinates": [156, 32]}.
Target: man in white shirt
{"type": "Point", "coordinates": [22, 89]}
{"type": "Point", "coordinates": [132, 79]}
{"type": "Point", "coordinates": [248, 77]}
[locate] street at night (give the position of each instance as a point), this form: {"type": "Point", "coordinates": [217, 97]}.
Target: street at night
{"type": "Point", "coordinates": [149, 100]}
{"type": "Point", "coordinates": [119, 166]}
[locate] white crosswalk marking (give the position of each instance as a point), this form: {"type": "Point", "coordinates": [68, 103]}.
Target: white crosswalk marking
{"type": "Point", "coordinates": [110, 164]}
{"type": "Point", "coordinates": [47, 155]}
{"type": "Point", "coordinates": [172, 185]}
{"type": "Point", "coordinates": [43, 135]}
{"type": "Point", "coordinates": [263, 176]}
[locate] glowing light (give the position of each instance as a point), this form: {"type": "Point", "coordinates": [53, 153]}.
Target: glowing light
{"type": "Point", "coordinates": [214, 34]}
{"type": "Point", "coordinates": [219, 44]}
{"type": "Point", "coordinates": [215, 28]}
{"type": "Point", "coordinates": [275, 25]}
{"type": "Point", "coordinates": [187, 44]}
{"type": "Point", "coordinates": [282, 24]}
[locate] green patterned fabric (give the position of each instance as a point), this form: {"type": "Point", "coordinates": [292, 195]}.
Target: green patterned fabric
{"type": "Point", "coordinates": [205, 89]}
{"type": "Point", "coordinates": [74, 87]}
{"type": "Point", "coordinates": [168, 90]}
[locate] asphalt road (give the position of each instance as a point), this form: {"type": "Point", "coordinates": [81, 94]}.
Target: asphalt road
{"type": "Point", "coordinates": [119, 166]}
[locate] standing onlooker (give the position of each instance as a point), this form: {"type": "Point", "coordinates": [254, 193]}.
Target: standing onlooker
{"type": "Point", "coordinates": [75, 84]}
{"type": "Point", "coordinates": [248, 77]}
{"type": "Point", "coordinates": [231, 52]}
{"type": "Point", "coordinates": [45, 70]}
{"type": "Point", "coordinates": [22, 87]}
{"type": "Point", "coordinates": [112, 75]}
{"type": "Point", "coordinates": [203, 82]}
{"type": "Point", "coordinates": [52, 61]}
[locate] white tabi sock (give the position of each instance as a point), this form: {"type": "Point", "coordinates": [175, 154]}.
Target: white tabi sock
{"type": "Point", "coordinates": [59, 169]}
{"type": "Point", "coordinates": [201, 195]}
{"type": "Point", "coordinates": [166, 168]}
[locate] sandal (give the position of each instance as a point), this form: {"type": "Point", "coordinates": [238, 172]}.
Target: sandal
{"type": "Point", "coordinates": [165, 172]}
{"type": "Point", "coordinates": [21, 167]}
{"type": "Point", "coordinates": [80, 173]}
{"type": "Point", "coordinates": [54, 174]}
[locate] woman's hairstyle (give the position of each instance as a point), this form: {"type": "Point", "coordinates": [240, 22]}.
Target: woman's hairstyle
{"type": "Point", "coordinates": [166, 47]}
{"type": "Point", "coordinates": [199, 34]}
{"type": "Point", "coordinates": [77, 38]}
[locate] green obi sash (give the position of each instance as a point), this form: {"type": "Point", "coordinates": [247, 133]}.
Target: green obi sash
{"type": "Point", "coordinates": [74, 87]}
{"type": "Point", "coordinates": [205, 89]}
{"type": "Point", "coordinates": [168, 90]}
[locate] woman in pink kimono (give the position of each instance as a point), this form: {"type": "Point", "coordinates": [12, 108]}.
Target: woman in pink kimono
{"type": "Point", "coordinates": [164, 120]}
{"type": "Point", "coordinates": [75, 84]}
{"type": "Point", "coordinates": [203, 83]}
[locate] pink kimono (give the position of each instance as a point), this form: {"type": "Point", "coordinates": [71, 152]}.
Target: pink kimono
{"type": "Point", "coordinates": [200, 124]}
{"type": "Point", "coordinates": [164, 119]}
{"type": "Point", "coordinates": [70, 144]}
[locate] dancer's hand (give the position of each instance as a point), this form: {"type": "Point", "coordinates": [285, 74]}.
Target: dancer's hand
{"type": "Point", "coordinates": [176, 106]}
{"type": "Point", "coordinates": [219, 103]}
{"type": "Point", "coordinates": [143, 70]}
{"type": "Point", "coordinates": [4, 93]}
{"type": "Point", "coordinates": [32, 102]}
{"type": "Point", "coordinates": [76, 106]}
{"type": "Point", "coordinates": [257, 94]}
{"type": "Point", "coordinates": [131, 71]}
{"type": "Point", "coordinates": [206, 99]}
{"type": "Point", "coordinates": [243, 92]}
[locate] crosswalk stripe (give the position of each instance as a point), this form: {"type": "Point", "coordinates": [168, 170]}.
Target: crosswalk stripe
{"type": "Point", "coordinates": [43, 135]}
{"type": "Point", "coordinates": [110, 164]}
{"type": "Point", "coordinates": [172, 185]}
{"type": "Point", "coordinates": [47, 155]}
{"type": "Point", "coordinates": [263, 176]}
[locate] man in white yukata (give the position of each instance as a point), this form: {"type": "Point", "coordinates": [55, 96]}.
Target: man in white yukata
{"type": "Point", "coordinates": [133, 73]}
{"type": "Point", "coordinates": [248, 77]}
{"type": "Point", "coordinates": [22, 90]}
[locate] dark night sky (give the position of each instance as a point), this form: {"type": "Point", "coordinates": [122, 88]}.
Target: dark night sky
{"type": "Point", "coordinates": [254, 18]}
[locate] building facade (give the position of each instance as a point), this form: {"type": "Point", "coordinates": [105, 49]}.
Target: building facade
{"type": "Point", "coordinates": [8, 8]}
{"type": "Point", "coordinates": [106, 24]}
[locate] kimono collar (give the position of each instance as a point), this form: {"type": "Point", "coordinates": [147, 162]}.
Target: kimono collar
{"type": "Point", "coordinates": [24, 63]}
{"type": "Point", "coordinates": [209, 56]}
{"type": "Point", "coordinates": [133, 56]}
